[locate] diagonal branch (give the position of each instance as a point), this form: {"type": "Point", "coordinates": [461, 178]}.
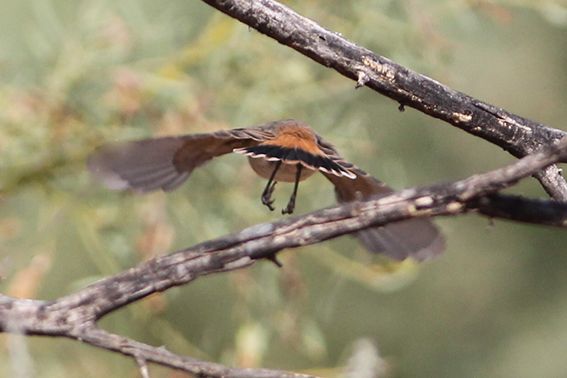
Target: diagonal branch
{"type": "Point", "coordinates": [517, 135]}
{"type": "Point", "coordinates": [75, 315]}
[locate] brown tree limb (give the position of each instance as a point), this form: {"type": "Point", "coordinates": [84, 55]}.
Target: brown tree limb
{"type": "Point", "coordinates": [75, 316]}
{"type": "Point", "coordinates": [517, 135]}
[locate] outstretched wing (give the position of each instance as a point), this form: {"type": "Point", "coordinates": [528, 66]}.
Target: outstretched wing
{"type": "Point", "coordinates": [165, 163]}
{"type": "Point", "coordinates": [416, 238]}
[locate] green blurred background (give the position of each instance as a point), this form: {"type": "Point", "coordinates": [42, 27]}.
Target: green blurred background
{"type": "Point", "coordinates": [76, 74]}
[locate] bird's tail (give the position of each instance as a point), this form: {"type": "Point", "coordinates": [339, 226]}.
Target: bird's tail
{"type": "Point", "coordinates": [417, 238]}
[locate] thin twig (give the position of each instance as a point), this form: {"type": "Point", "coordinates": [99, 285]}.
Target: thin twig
{"type": "Point", "coordinates": [143, 366]}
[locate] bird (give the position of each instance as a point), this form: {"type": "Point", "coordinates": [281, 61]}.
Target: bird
{"type": "Point", "coordinates": [280, 151]}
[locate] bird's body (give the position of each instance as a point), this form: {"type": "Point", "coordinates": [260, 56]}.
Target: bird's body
{"type": "Point", "coordinates": [287, 151]}
{"type": "Point", "coordinates": [286, 173]}
{"type": "Point", "coordinates": [286, 138]}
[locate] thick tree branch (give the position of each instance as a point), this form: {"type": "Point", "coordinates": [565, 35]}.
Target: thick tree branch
{"type": "Point", "coordinates": [521, 209]}
{"type": "Point", "coordinates": [75, 315]}
{"type": "Point", "coordinates": [515, 134]}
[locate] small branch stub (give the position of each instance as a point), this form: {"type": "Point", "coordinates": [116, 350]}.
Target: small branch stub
{"type": "Point", "coordinates": [363, 78]}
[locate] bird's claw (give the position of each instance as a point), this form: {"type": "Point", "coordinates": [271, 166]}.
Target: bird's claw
{"type": "Point", "coordinates": [266, 200]}
{"type": "Point", "coordinates": [267, 196]}
{"type": "Point", "coordinates": [289, 208]}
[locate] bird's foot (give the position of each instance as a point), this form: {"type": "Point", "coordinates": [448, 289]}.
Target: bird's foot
{"type": "Point", "coordinates": [267, 196]}
{"type": "Point", "coordinates": [268, 202]}
{"type": "Point", "coordinates": [290, 206]}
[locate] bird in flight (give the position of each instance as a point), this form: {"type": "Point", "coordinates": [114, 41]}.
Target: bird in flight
{"type": "Point", "coordinates": [286, 151]}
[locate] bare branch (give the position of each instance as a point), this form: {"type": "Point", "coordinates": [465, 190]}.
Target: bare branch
{"type": "Point", "coordinates": [160, 355]}
{"type": "Point", "coordinates": [521, 209]}
{"type": "Point", "coordinates": [553, 182]}
{"type": "Point", "coordinates": [517, 135]}
{"type": "Point", "coordinates": [75, 315]}
{"type": "Point", "coordinates": [34, 317]}
{"type": "Point", "coordinates": [144, 371]}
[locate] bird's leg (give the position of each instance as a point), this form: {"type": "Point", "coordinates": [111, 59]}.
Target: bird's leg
{"type": "Point", "coordinates": [291, 204]}
{"type": "Point", "coordinates": [270, 186]}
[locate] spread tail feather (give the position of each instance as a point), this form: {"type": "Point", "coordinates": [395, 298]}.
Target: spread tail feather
{"type": "Point", "coordinates": [416, 238]}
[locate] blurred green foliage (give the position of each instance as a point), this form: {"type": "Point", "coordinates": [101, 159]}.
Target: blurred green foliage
{"type": "Point", "coordinates": [75, 74]}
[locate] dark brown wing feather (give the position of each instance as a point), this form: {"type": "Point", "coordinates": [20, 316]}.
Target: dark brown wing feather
{"type": "Point", "coordinates": [416, 238]}
{"type": "Point", "coordinates": [165, 163]}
